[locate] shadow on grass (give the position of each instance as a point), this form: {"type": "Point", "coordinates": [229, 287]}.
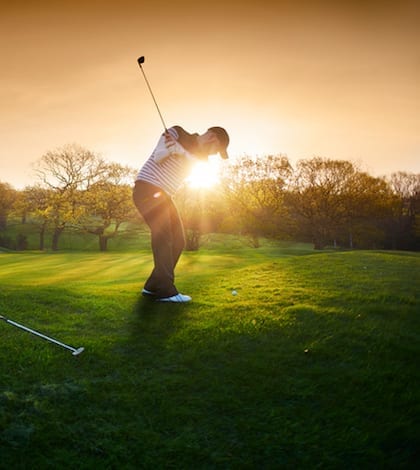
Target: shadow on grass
{"type": "Point", "coordinates": [174, 386]}
{"type": "Point", "coordinates": [152, 323]}
{"type": "Point", "coordinates": [146, 307]}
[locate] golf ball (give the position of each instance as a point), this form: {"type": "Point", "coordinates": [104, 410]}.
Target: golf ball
{"type": "Point", "coordinates": [234, 292]}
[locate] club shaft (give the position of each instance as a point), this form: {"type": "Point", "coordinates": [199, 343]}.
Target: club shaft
{"type": "Point", "coordinates": [29, 330]}
{"type": "Point", "coordinates": [153, 96]}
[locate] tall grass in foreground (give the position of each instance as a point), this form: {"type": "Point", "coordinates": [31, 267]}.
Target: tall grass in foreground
{"type": "Point", "coordinates": [314, 364]}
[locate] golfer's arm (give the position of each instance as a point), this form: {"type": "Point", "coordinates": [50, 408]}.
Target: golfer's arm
{"type": "Point", "coordinates": [161, 151]}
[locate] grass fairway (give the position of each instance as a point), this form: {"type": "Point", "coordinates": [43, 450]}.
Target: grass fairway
{"type": "Point", "coordinates": [314, 364]}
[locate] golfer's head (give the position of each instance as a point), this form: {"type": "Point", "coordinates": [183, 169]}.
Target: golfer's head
{"type": "Point", "coordinates": [218, 140]}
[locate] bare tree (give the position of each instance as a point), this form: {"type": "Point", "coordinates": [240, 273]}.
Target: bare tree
{"type": "Point", "coordinates": [70, 167]}
{"type": "Point", "coordinates": [69, 171]}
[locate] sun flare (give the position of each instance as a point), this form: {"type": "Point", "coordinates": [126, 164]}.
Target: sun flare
{"type": "Point", "coordinates": [204, 175]}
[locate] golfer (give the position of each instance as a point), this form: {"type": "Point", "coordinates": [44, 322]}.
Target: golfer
{"type": "Point", "coordinates": [157, 182]}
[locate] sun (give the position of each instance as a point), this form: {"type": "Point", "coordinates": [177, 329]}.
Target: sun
{"type": "Point", "coordinates": [204, 175]}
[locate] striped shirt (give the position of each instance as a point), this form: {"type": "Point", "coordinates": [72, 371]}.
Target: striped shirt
{"type": "Point", "coordinates": [168, 171]}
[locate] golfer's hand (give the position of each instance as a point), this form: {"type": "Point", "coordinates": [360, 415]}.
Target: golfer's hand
{"type": "Point", "coordinates": [170, 142]}
{"type": "Point", "coordinates": [162, 150]}
{"type": "Point", "coordinates": [175, 148]}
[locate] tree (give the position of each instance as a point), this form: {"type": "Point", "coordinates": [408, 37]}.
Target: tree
{"type": "Point", "coordinates": [334, 202]}
{"type": "Point", "coordinates": [7, 199]}
{"type": "Point", "coordinates": [37, 202]}
{"type": "Point", "coordinates": [69, 172]}
{"type": "Point", "coordinates": [368, 203]}
{"type": "Point", "coordinates": [197, 213]}
{"type": "Point", "coordinates": [313, 199]}
{"type": "Point", "coordinates": [108, 203]}
{"type": "Point", "coordinates": [189, 203]}
{"type": "Point", "coordinates": [316, 198]}
{"type": "Point", "coordinates": [255, 189]}
{"type": "Point", "coordinates": [404, 226]}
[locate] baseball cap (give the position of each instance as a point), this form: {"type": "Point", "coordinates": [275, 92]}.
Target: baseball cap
{"type": "Point", "coordinates": [223, 137]}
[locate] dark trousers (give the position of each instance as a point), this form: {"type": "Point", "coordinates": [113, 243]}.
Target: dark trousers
{"type": "Point", "coordinates": [167, 236]}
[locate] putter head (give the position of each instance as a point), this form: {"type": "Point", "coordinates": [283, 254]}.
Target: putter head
{"type": "Point", "coordinates": [140, 60]}
{"type": "Point", "coordinates": [78, 351]}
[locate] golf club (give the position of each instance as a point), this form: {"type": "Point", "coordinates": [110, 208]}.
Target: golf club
{"type": "Point", "coordinates": [75, 351]}
{"type": "Point", "coordinates": [140, 61]}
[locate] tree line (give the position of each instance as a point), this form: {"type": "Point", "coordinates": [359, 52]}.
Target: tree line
{"type": "Point", "coordinates": [330, 203]}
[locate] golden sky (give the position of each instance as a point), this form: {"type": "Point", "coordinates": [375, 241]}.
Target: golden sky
{"type": "Point", "coordinates": [337, 79]}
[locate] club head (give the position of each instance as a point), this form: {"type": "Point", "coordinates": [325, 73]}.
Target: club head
{"type": "Point", "coordinates": [78, 351]}
{"type": "Point", "coordinates": [140, 60]}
